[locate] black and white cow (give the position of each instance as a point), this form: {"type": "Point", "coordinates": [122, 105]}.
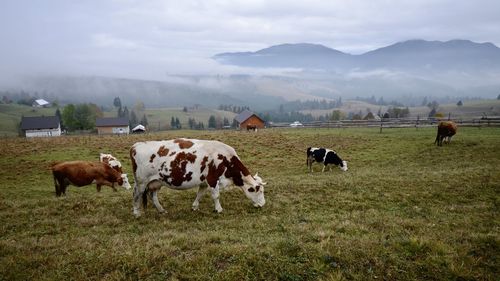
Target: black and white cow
{"type": "Point", "coordinates": [186, 163]}
{"type": "Point", "coordinates": [325, 156]}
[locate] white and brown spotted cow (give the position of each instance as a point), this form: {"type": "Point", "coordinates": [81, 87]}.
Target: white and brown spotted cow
{"type": "Point", "coordinates": [81, 173]}
{"type": "Point", "coordinates": [115, 164]}
{"type": "Point", "coordinates": [186, 163]}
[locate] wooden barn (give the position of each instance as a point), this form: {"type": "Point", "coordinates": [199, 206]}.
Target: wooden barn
{"type": "Point", "coordinates": [249, 120]}
{"type": "Point", "coordinates": [41, 126]}
{"type": "Point", "coordinates": [108, 126]}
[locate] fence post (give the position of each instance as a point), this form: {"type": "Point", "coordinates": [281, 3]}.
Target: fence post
{"type": "Point", "coordinates": [449, 116]}
{"type": "Point", "coordinates": [380, 125]}
{"type": "Point", "coordinates": [418, 119]}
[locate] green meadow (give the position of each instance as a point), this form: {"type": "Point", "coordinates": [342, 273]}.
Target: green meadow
{"type": "Point", "coordinates": [405, 210]}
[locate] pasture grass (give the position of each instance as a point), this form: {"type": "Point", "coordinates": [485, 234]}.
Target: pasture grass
{"type": "Point", "coordinates": [405, 210]}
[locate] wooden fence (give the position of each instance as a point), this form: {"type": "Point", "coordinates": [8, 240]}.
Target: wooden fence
{"type": "Point", "coordinates": [394, 123]}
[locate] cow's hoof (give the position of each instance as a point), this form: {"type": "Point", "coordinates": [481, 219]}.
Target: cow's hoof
{"type": "Point", "coordinates": [193, 208]}
{"type": "Point", "coordinates": [218, 211]}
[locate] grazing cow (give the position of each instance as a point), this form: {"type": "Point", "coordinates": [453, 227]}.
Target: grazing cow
{"type": "Point", "coordinates": [325, 156]}
{"type": "Point", "coordinates": [115, 164]}
{"type": "Point", "coordinates": [81, 173]}
{"type": "Point", "coordinates": [446, 130]}
{"type": "Point", "coordinates": [186, 163]}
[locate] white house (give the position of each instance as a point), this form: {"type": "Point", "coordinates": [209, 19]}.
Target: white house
{"type": "Point", "coordinates": [40, 103]}
{"type": "Point", "coordinates": [41, 126]}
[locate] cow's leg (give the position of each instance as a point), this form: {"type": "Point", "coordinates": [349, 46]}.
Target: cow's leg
{"type": "Point", "coordinates": [154, 197]}
{"type": "Point", "coordinates": [324, 166]}
{"type": "Point", "coordinates": [215, 196]}
{"type": "Point", "coordinates": [201, 191]}
{"type": "Point", "coordinates": [57, 185]}
{"type": "Point", "coordinates": [153, 188]}
{"type": "Point", "coordinates": [138, 191]}
{"type": "Point", "coordinates": [98, 186]}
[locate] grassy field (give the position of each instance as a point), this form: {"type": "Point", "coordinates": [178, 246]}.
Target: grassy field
{"type": "Point", "coordinates": [405, 210]}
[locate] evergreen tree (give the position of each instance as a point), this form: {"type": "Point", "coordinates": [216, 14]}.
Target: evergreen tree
{"type": "Point", "coordinates": [172, 123]}
{"type": "Point", "coordinates": [177, 123]}
{"type": "Point", "coordinates": [212, 123]}
{"type": "Point", "coordinates": [120, 112]}
{"type": "Point", "coordinates": [133, 119]}
{"type": "Point", "coordinates": [144, 120]}
{"type": "Point", "coordinates": [58, 114]}
{"type": "Point", "coordinates": [225, 122]}
{"type": "Point", "coordinates": [117, 102]}
{"type": "Point", "coordinates": [126, 113]}
{"type": "Point", "coordinates": [460, 103]}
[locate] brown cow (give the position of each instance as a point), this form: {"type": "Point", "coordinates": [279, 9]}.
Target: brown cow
{"type": "Point", "coordinates": [446, 130]}
{"type": "Point", "coordinates": [81, 173]}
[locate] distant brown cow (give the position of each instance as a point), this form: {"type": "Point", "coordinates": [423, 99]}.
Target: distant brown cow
{"type": "Point", "coordinates": [446, 130]}
{"type": "Point", "coordinates": [81, 173]}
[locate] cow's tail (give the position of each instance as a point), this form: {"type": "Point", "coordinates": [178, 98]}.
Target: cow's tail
{"type": "Point", "coordinates": [145, 198]}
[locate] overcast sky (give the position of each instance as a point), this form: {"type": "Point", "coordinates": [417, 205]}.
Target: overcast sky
{"type": "Point", "coordinates": [152, 38]}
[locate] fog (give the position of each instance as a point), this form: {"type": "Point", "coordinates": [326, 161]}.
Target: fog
{"type": "Point", "coordinates": [168, 41]}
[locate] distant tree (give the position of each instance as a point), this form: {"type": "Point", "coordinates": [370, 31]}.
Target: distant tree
{"type": "Point", "coordinates": [185, 109]}
{"type": "Point", "coordinates": [498, 97]}
{"type": "Point", "coordinates": [434, 104]}
{"type": "Point", "coordinates": [120, 112]}
{"type": "Point", "coordinates": [84, 117]}
{"type": "Point", "coordinates": [177, 123]}
{"type": "Point", "coordinates": [369, 116]}
{"type": "Point", "coordinates": [144, 120]}
{"type": "Point", "coordinates": [68, 117]}
{"type": "Point", "coordinates": [200, 126]}
{"type": "Point", "coordinates": [58, 114]}
{"type": "Point", "coordinates": [337, 115]}
{"type": "Point", "coordinates": [386, 115]}
{"type": "Point", "coordinates": [432, 113]}
{"type": "Point", "coordinates": [225, 122]}
{"type": "Point", "coordinates": [172, 123]}
{"type": "Point", "coordinates": [212, 123]}
{"type": "Point", "coordinates": [126, 114]}
{"type": "Point", "coordinates": [117, 102]}
{"type": "Point", "coordinates": [191, 123]}
{"type": "Point", "coordinates": [235, 124]}
{"type": "Point", "coordinates": [133, 119]}
{"type": "Point", "coordinates": [460, 103]}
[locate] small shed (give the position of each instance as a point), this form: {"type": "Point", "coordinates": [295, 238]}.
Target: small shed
{"type": "Point", "coordinates": [116, 125]}
{"type": "Point", "coordinates": [247, 119]}
{"type": "Point", "coordinates": [41, 126]}
{"type": "Point", "coordinates": [40, 103]}
{"type": "Point", "coordinates": [138, 129]}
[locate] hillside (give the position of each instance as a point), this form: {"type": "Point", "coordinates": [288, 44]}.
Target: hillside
{"type": "Point", "coordinates": [470, 109]}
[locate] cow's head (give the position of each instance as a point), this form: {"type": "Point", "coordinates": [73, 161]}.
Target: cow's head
{"type": "Point", "coordinates": [124, 182]}
{"type": "Point", "coordinates": [344, 166]}
{"type": "Point", "coordinates": [254, 189]}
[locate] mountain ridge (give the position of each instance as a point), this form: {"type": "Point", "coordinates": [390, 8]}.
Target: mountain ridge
{"type": "Point", "coordinates": [457, 54]}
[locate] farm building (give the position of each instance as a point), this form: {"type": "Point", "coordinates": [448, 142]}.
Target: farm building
{"type": "Point", "coordinates": [40, 103]}
{"type": "Point", "coordinates": [247, 119]}
{"type": "Point", "coordinates": [107, 126]}
{"type": "Point", "coordinates": [41, 126]}
{"type": "Point", "coordinates": [139, 129]}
